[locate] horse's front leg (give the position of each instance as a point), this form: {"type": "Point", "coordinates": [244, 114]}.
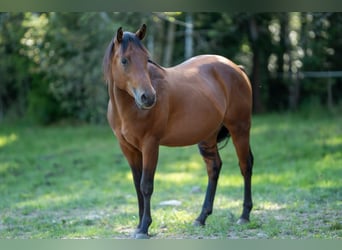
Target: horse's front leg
{"type": "Point", "coordinates": [134, 159]}
{"type": "Point", "coordinates": [150, 153]}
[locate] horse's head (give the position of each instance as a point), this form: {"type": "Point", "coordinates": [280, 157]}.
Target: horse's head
{"type": "Point", "coordinates": [127, 67]}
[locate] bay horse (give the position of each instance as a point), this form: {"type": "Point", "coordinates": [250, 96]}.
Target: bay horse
{"type": "Point", "coordinates": [201, 101]}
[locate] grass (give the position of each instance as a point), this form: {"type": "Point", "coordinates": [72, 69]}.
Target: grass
{"type": "Point", "coordinates": [72, 182]}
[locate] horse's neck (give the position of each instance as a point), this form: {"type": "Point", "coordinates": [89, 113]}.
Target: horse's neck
{"type": "Point", "coordinates": [121, 98]}
{"type": "Point", "coordinates": [156, 72]}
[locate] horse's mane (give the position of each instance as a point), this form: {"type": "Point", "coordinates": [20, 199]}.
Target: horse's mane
{"type": "Point", "coordinates": [107, 62]}
{"type": "Point", "coordinates": [155, 64]}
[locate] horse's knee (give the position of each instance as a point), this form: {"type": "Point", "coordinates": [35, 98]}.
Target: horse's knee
{"type": "Point", "coordinates": [146, 189]}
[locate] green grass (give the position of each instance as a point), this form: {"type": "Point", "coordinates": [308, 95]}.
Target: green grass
{"type": "Point", "coordinates": [72, 182]}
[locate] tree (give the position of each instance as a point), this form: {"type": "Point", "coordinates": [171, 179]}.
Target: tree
{"type": "Point", "coordinates": [256, 28]}
{"type": "Point", "coordinates": [14, 74]}
{"type": "Point", "coordinates": [67, 49]}
{"type": "Point", "coordinates": [50, 63]}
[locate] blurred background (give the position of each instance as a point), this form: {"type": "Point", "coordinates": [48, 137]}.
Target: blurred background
{"type": "Point", "coordinates": [51, 63]}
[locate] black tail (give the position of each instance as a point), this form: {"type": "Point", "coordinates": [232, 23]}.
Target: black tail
{"type": "Point", "coordinates": [223, 135]}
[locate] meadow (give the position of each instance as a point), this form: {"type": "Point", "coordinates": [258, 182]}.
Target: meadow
{"type": "Point", "coordinates": [65, 181]}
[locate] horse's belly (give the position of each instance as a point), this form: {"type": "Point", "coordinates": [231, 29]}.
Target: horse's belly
{"type": "Point", "coordinates": [186, 137]}
{"type": "Point", "coordinates": [191, 131]}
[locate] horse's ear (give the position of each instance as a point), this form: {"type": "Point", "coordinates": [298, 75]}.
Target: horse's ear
{"type": "Point", "coordinates": [141, 32]}
{"type": "Point", "coordinates": [119, 35]}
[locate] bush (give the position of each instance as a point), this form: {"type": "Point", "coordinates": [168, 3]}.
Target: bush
{"type": "Point", "coordinates": [43, 108]}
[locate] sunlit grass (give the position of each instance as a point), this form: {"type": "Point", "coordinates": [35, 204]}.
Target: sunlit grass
{"type": "Point", "coordinates": [46, 201]}
{"type": "Point", "coordinates": [7, 139]}
{"type": "Point", "coordinates": [73, 182]}
{"type": "Point", "coordinates": [175, 178]}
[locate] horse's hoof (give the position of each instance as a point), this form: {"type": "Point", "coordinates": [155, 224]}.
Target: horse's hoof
{"type": "Point", "coordinates": [138, 235]}
{"type": "Point", "coordinates": [242, 221]}
{"type": "Point", "coordinates": [197, 224]}
{"type": "Point", "coordinates": [141, 236]}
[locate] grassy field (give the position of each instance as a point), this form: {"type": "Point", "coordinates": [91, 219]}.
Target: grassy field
{"type": "Point", "coordinates": [72, 182]}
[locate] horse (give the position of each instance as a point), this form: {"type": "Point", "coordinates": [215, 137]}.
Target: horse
{"type": "Point", "coordinates": [201, 101]}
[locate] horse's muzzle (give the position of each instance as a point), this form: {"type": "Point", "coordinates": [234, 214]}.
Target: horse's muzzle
{"type": "Point", "coordinates": [148, 101]}
{"type": "Point", "coordinates": [145, 100]}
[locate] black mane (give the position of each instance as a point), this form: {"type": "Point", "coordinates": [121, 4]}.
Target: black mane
{"type": "Point", "coordinates": [107, 64]}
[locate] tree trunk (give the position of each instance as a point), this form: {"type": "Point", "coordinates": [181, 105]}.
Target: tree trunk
{"type": "Point", "coordinates": [150, 44]}
{"type": "Point", "coordinates": [255, 79]}
{"type": "Point", "coordinates": [283, 43]}
{"type": "Point", "coordinates": [188, 36]}
{"type": "Point", "coordinates": [256, 85]}
{"type": "Point", "coordinates": [158, 38]}
{"type": "Point", "coordinates": [330, 102]}
{"type": "Point", "coordinates": [169, 44]}
{"type": "Point", "coordinates": [294, 92]}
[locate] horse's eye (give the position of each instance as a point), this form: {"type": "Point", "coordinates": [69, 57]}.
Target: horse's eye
{"type": "Point", "coordinates": [124, 61]}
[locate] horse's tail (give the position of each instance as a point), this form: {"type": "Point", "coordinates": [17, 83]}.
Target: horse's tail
{"type": "Point", "coordinates": [223, 135]}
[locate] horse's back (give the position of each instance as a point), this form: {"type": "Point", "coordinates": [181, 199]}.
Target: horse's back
{"type": "Point", "coordinates": [208, 60]}
{"type": "Point", "coordinates": [213, 69]}
{"type": "Point", "coordinates": [217, 76]}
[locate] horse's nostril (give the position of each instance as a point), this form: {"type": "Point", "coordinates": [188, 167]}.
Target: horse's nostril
{"type": "Point", "coordinates": [143, 98]}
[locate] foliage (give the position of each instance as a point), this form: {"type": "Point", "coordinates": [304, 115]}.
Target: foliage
{"type": "Point", "coordinates": [14, 74]}
{"type": "Point", "coordinates": [61, 182]}
{"type": "Point", "coordinates": [68, 50]}
{"type": "Point", "coordinates": [50, 63]}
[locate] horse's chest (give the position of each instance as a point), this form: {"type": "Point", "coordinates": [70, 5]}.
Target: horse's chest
{"type": "Point", "coordinates": [130, 133]}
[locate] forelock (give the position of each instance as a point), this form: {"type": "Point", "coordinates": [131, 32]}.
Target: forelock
{"type": "Point", "coordinates": [128, 38]}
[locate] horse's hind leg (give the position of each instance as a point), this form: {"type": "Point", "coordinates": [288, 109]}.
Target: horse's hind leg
{"type": "Point", "coordinates": [240, 137]}
{"type": "Point", "coordinates": [213, 162]}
